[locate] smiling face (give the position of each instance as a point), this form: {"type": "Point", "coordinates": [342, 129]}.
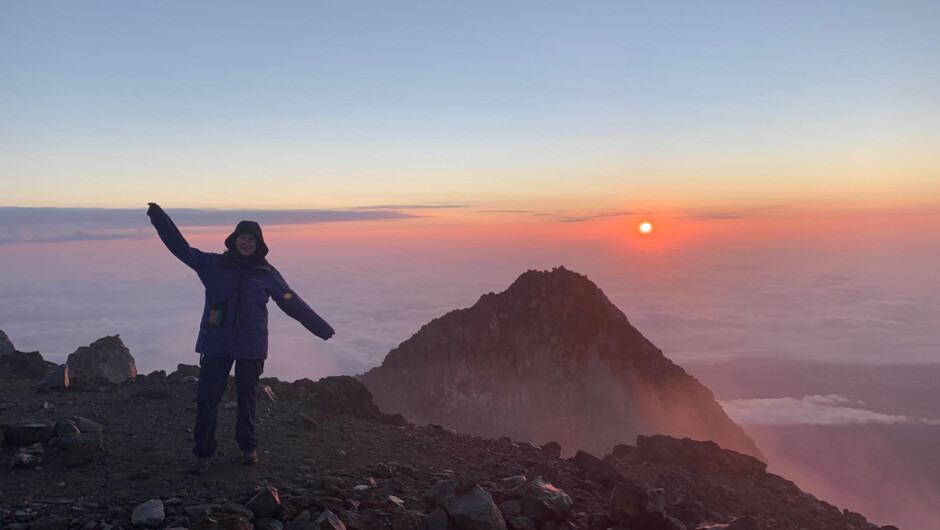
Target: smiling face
{"type": "Point", "coordinates": [246, 244]}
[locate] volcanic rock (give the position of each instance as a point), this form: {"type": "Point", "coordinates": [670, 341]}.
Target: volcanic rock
{"type": "Point", "coordinates": [57, 378]}
{"type": "Point", "coordinates": [550, 358]}
{"type": "Point", "coordinates": [692, 453]}
{"type": "Point", "coordinates": [543, 502]}
{"type": "Point", "coordinates": [267, 503]}
{"type": "Point", "coordinates": [106, 362]}
{"type": "Point", "coordinates": [182, 372]}
{"type": "Point", "coordinates": [328, 521]}
{"type": "Point", "coordinates": [24, 365]}
{"type": "Point", "coordinates": [470, 509]}
{"type": "Point", "coordinates": [635, 505]}
{"type": "Point", "coordinates": [341, 395]}
{"type": "Point", "coordinates": [149, 513]}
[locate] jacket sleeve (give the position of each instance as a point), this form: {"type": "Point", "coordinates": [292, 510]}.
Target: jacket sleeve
{"type": "Point", "coordinates": [196, 259]}
{"type": "Point", "coordinates": [297, 309]}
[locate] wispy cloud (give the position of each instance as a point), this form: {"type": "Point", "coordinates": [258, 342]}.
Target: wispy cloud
{"type": "Point", "coordinates": [57, 225]}
{"type": "Point", "coordinates": [410, 207]}
{"type": "Point", "coordinates": [11, 216]}
{"type": "Point", "coordinates": [580, 218]}
{"type": "Point", "coordinates": [70, 238]}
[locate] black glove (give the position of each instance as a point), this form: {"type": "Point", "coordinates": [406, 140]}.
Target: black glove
{"type": "Point", "coordinates": [153, 208]}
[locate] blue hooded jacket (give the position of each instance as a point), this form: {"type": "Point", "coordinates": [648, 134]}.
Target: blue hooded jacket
{"type": "Point", "coordinates": [235, 318]}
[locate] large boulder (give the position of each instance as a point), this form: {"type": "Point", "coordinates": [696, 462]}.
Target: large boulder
{"type": "Point", "coordinates": [6, 345]}
{"type": "Point", "coordinates": [106, 362]}
{"type": "Point", "coordinates": [638, 506]}
{"type": "Point", "coordinates": [24, 365]}
{"type": "Point", "coordinates": [469, 509]}
{"type": "Point", "coordinates": [341, 395]}
{"type": "Point", "coordinates": [596, 470]}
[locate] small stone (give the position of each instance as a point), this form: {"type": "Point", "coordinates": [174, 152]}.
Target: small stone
{"type": "Point", "coordinates": [231, 405]}
{"type": "Point", "coordinates": [269, 392]}
{"type": "Point", "coordinates": [382, 471]}
{"type": "Point", "coordinates": [149, 513]}
{"type": "Point", "coordinates": [35, 449]}
{"type": "Point", "coordinates": [66, 428]}
{"type": "Point", "coordinates": [333, 504]}
{"type": "Point", "coordinates": [328, 521]}
{"type": "Point", "coordinates": [306, 421]}
{"type": "Point", "coordinates": [520, 522]}
{"type": "Point", "coordinates": [552, 449]}
{"type": "Point", "coordinates": [237, 509]}
{"type": "Point", "coordinates": [24, 461]}
{"type": "Point", "coordinates": [86, 425]}
{"type": "Point", "coordinates": [512, 482]}
{"type": "Point", "coordinates": [197, 512]}
{"type": "Point", "coordinates": [266, 503]}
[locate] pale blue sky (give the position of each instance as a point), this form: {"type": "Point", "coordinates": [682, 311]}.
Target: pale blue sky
{"type": "Point", "coordinates": [352, 103]}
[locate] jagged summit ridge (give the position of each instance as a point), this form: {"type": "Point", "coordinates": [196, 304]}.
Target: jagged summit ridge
{"type": "Point", "coordinates": [549, 358]}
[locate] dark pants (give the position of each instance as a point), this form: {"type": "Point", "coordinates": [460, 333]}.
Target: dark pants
{"type": "Point", "coordinates": [213, 376]}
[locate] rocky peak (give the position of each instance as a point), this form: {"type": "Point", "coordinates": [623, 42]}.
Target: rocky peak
{"type": "Point", "coordinates": [549, 358]}
{"type": "Point", "coordinates": [6, 346]}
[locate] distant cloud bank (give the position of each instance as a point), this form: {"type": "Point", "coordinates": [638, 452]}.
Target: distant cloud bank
{"type": "Point", "coordinates": [829, 410]}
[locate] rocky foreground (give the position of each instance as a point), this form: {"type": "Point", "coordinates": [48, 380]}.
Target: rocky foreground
{"type": "Point", "coordinates": [116, 456]}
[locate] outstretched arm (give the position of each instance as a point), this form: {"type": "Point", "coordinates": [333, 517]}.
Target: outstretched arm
{"type": "Point", "coordinates": [297, 309]}
{"type": "Point", "coordinates": [196, 259]}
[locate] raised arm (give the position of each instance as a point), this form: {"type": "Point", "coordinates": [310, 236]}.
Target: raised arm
{"type": "Point", "coordinates": [196, 259]}
{"type": "Point", "coordinates": [297, 309]}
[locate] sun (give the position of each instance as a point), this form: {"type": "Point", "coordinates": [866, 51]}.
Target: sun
{"type": "Point", "coordinates": [645, 227]}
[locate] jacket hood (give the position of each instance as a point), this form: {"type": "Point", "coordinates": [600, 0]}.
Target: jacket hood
{"type": "Point", "coordinates": [247, 227]}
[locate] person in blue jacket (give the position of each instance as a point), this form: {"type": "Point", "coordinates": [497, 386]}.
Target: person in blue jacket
{"type": "Point", "coordinates": [234, 327]}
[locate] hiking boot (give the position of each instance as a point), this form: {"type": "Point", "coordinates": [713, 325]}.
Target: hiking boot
{"type": "Point", "coordinates": [250, 458]}
{"type": "Point", "coordinates": [201, 465]}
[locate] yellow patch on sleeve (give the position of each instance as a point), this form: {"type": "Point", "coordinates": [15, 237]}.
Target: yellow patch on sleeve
{"type": "Point", "coordinates": [288, 296]}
